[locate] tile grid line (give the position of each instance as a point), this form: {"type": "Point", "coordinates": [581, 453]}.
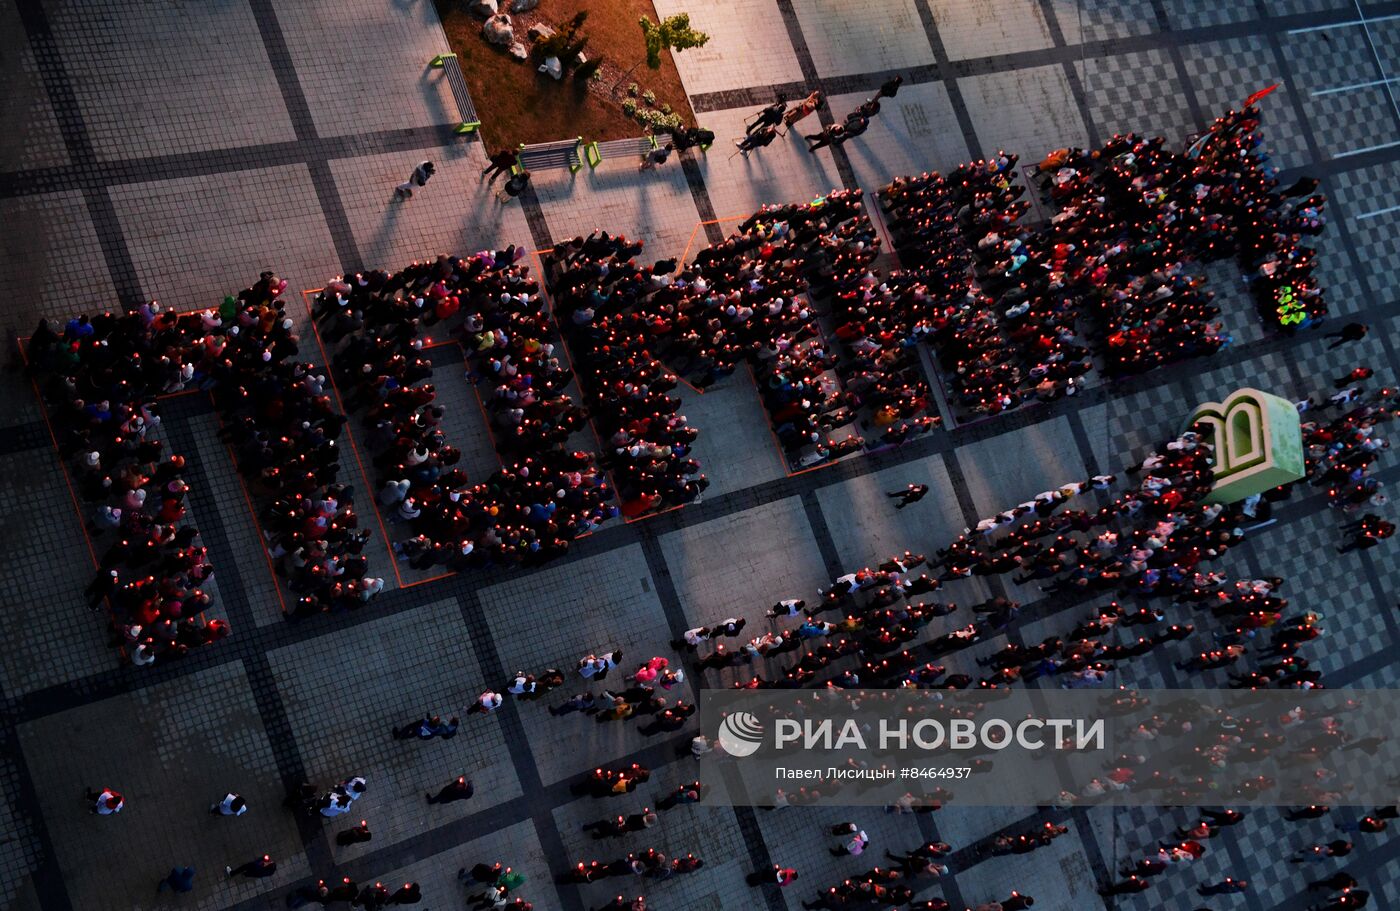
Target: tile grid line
{"type": "Point", "coordinates": [1188, 89]}
{"type": "Point", "coordinates": [64, 100]}
{"type": "Point", "coordinates": [272, 712]}
{"type": "Point", "coordinates": [821, 532]}
{"type": "Point", "coordinates": [299, 110]}
{"type": "Point", "coordinates": [949, 80]}
{"type": "Point", "coordinates": [812, 79]}
{"type": "Point", "coordinates": [1071, 70]}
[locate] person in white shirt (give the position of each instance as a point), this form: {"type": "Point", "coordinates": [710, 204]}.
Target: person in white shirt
{"type": "Point", "coordinates": [106, 802]}
{"type": "Point", "coordinates": [231, 805]}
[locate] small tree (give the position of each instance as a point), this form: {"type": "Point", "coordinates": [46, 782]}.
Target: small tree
{"type": "Point", "coordinates": [672, 34]}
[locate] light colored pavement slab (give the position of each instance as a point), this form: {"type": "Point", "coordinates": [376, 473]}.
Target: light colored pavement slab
{"type": "Point", "coordinates": [881, 35]}
{"type": "Point", "coordinates": [344, 721]}
{"type": "Point", "coordinates": [157, 78]}
{"type": "Point", "coordinates": [748, 45]}
{"type": "Point", "coordinates": [983, 28]}
{"type": "Point", "coordinates": [398, 91]}
{"type": "Point", "coordinates": [186, 743]}
{"type": "Point", "coordinates": [456, 212]}
{"type": "Point", "coordinates": [197, 239]}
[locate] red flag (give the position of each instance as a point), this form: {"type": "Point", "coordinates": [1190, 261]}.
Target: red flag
{"type": "Point", "coordinates": [1259, 94]}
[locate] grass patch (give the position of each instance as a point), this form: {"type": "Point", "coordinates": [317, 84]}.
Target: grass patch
{"type": "Point", "coordinates": [517, 103]}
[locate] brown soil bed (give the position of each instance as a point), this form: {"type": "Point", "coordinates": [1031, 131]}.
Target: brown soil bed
{"type": "Point", "coordinates": [517, 103]}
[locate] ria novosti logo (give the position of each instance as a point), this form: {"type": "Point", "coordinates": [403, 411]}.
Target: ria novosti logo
{"type": "Point", "coordinates": [740, 734]}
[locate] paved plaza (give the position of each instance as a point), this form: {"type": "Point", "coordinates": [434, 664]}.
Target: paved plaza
{"type": "Point", "coordinates": [173, 149]}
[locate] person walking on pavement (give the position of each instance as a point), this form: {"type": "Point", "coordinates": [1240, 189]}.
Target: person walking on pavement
{"type": "Point", "coordinates": [179, 879]}
{"type": "Point", "coordinates": [890, 87]}
{"type": "Point", "coordinates": [419, 178]}
{"type": "Point", "coordinates": [835, 134]}
{"type": "Point", "coordinates": [231, 805]}
{"type": "Point", "coordinates": [911, 494]}
{"type": "Point", "coordinates": [758, 139]}
{"type": "Point", "coordinates": [656, 156]}
{"type": "Point", "coordinates": [514, 186]}
{"type": "Point", "coordinates": [105, 802]}
{"type": "Point", "coordinates": [1351, 332]}
{"type": "Point", "coordinates": [501, 163]}
{"type": "Point", "coordinates": [770, 116]}
{"type": "Point", "coordinates": [254, 869]}
{"type": "Point", "coordinates": [456, 789]}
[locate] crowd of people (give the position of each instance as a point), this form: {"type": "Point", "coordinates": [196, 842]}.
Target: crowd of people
{"type": "Point", "coordinates": [1015, 312]}
{"type": "Point", "coordinates": [611, 309]}
{"type": "Point", "coordinates": [100, 378]}
{"type": "Point", "coordinates": [753, 298]}
{"type": "Point", "coordinates": [544, 495]}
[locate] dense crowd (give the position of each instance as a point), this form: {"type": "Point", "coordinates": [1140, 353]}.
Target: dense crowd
{"type": "Point", "coordinates": [610, 310]}
{"type": "Point", "coordinates": [544, 495]}
{"type": "Point", "coordinates": [100, 378]}
{"type": "Point", "coordinates": [1014, 310]}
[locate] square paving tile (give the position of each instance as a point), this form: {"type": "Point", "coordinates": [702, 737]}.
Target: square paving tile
{"type": "Point", "coordinates": [20, 851]}
{"type": "Point", "coordinates": [1099, 20]}
{"type": "Point", "coordinates": [186, 743]}
{"type": "Point", "coordinates": [1370, 200]}
{"type": "Point", "coordinates": [516, 846]}
{"type": "Point", "coordinates": [655, 206]}
{"type": "Point", "coordinates": [735, 448]}
{"type": "Point", "coordinates": [45, 561]}
{"type": "Point", "coordinates": [743, 564]}
{"type": "Point", "coordinates": [914, 131]}
{"type": "Point", "coordinates": [429, 654]}
{"type": "Point", "coordinates": [197, 239]}
{"type": "Point", "coordinates": [1137, 92]}
{"type": "Point", "coordinates": [544, 619]}
{"type": "Point", "coordinates": [457, 212]}
{"type": "Point", "coordinates": [399, 91]}
{"type": "Point", "coordinates": [1029, 112]}
{"type": "Point", "coordinates": [883, 35]}
{"type": "Point", "coordinates": [54, 261]}
{"type": "Point", "coordinates": [748, 45]}
{"type": "Point", "coordinates": [866, 526]}
{"type": "Point", "coordinates": [1347, 110]}
{"type": "Point", "coordinates": [991, 27]}
{"type": "Point", "coordinates": [1184, 14]}
{"type": "Point", "coordinates": [32, 138]}
{"type": "Point", "coordinates": [154, 82]}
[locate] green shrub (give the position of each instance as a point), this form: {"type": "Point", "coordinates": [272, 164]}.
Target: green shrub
{"type": "Point", "coordinates": [665, 109]}
{"type": "Point", "coordinates": [629, 107]}
{"type": "Point", "coordinates": [649, 97]}
{"type": "Point", "coordinates": [633, 89]}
